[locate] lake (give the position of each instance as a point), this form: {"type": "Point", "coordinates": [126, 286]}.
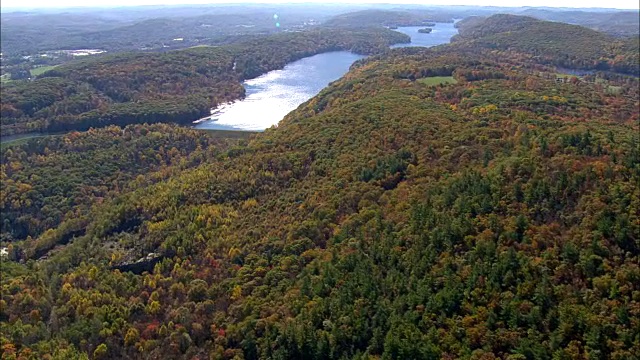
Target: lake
{"type": "Point", "coordinates": [275, 94]}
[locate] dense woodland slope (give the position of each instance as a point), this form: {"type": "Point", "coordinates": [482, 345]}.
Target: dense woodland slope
{"type": "Point", "coordinates": [464, 201]}
{"type": "Point", "coordinates": [59, 178]}
{"type": "Point", "coordinates": [554, 43]}
{"type": "Point", "coordinates": [178, 86]}
{"type": "Point", "coordinates": [618, 23]}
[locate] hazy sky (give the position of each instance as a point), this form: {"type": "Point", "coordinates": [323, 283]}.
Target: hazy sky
{"type": "Point", "coordinates": [621, 4]}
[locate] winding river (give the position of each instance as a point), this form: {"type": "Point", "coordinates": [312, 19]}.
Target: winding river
{"type": "Point", "coordinates": [273, 95]}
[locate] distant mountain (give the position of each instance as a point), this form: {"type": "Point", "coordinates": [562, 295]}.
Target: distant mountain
{"type": "Point", "coordinates": [118, 29]}
{"type": "Point", "coordinates": [366, 18]}
{"type": "Point", "coordinates": [27, 32]}
{"type": "Point", "coordinates": [477, 27]}
{"type": "Point", "coordinates": [71, 31]}
{"type": "Point", "coordinates": [617, 23]}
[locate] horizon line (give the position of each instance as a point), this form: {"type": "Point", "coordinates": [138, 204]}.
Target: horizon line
{"type": "Point", "coordinates": [279, 3]}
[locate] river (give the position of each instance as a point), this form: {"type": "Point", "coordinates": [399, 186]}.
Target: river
{"type": "Point", "coordinates": [273, 95]}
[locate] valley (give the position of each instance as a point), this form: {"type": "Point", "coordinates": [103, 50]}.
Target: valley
{"type": "Point", "coordinates": [477, 199]}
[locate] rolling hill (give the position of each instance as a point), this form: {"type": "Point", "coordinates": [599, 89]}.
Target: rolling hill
{"type": "Point", "coordinates": [561, 44]}
{"type": "Point", "coordinates": [372, 18]}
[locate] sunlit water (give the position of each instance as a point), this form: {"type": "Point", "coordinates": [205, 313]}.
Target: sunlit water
{"type": "Point", "coordinates": [275, 94]}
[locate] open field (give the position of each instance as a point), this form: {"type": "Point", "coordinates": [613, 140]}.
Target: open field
{"type": "Point", "coordinates": [437, 80]}
{"type": "Point", "coordinates": [40, 70]}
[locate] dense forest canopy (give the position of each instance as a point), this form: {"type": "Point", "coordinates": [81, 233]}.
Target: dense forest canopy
{"type": "Point", "coordinates": [561, 44]}
{"type": "Point", "coordinates": [619, 23]}
{"type": "Point", "coordinates": [492, 215]}
{"type": "Point", "coordinates": [60, 177]}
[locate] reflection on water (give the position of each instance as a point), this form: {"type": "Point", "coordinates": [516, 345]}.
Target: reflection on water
{"type": "Point", "coordinates": [275, 94]}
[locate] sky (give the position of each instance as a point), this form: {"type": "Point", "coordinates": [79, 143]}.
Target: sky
{"type": "Point", "coordinates": [620, 4]}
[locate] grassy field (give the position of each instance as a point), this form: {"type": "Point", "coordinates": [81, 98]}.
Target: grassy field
{"type": "Point", "coordinates": [437, 80]}
{"type": "Point", "coordinates": [34, 72]}
{"type": "Point", "coordinates": [613, 90]}
{"type": "Point", "coordinates": [40, 70]}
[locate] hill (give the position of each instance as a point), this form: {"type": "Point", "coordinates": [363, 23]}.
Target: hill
{"type": "Point", "coordinates": [618, 23]}
{"type": "Point", "coordinates": [59, 178]}
{"type": "Point", "coordinates": [371, 18]}
{"type": "Point", "coordinates": [489, 216]}
{"type": "Point", "coordinates": [21, 33]}
{"type": "Point", "coordinates": [555, 43]}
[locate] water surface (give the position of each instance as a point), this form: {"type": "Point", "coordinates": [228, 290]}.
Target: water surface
{"type": "Point", "coordinates": [441, 34]}
{"type": "Point", "coordinates": [275, 94]}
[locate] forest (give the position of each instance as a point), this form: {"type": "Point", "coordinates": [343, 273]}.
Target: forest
{"type": "Point", "coordinates": [491, 216]}
{"type": "Point", "coordinates": [555, 43]}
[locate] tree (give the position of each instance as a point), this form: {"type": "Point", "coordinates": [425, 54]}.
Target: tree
{"type": "Point", "coordinates": [100, 352]}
